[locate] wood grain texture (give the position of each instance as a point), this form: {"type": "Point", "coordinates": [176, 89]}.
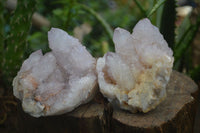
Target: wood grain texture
{"type": "Point", "coordinates": [174, 115]}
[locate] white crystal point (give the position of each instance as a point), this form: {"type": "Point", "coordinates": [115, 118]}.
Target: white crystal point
{"type": "Point", "coordinates": [59, 81]}
{"type": "Point", "coordinates": [120, 74]}
{"type": "Point", "coordinates": [66, 49]}
{"type": "Point", "coordinates": [135, 77]}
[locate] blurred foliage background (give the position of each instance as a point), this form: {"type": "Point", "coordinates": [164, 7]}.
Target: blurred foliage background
{"type": "Point", "coordinates": [24, 25]}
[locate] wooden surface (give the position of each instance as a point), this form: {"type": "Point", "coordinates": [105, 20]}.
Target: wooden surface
{"type": "Point", "coordinates": [174, 115]}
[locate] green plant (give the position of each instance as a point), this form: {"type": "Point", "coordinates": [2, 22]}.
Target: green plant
{"type": "Point", "coordinates": [13, 46]}
{"type": "Point", "coordinates": [185, 36]}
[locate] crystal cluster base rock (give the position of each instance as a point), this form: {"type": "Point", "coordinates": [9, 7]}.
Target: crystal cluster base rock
{"type": "Point", "coordinates": [135, 76]}
{"type": "Point", "coordinates": [60, 80]}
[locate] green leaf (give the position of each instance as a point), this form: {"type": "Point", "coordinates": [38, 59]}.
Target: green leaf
{"type": "Point", "coordinates": [182, 30]}
{"type": "Point", "coordinates": [141, 7]}
{"type": "Point", "coordinates": [13, 54]}
{"type": "Point", "coordinates": [184, 45]}
{"type": "Point", "coordinates": [183, 37]}
{"type": "Point", "coordinates": [155, 7]}
{"type": "Point", "coordinates": [186, 40]}
{"type": "Point", "coordinates": [159, 13]}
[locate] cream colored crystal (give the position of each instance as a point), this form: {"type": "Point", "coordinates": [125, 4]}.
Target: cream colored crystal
{"type": "Point", "coordinates": [135, 77]}
{"type": "Point", "coordinates": [59, 81]}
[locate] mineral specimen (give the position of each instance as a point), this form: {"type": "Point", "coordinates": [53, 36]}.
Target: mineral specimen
{"type": "Point", "coordinates": [135, 77]}
{"type": "Point", "coordinates": [59, 81]}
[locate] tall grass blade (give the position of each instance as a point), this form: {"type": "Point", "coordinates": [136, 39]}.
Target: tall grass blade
{"type": "Point", "coordinates": [139, 5]}
{"type": "Point", "coordinates": [155, 7]}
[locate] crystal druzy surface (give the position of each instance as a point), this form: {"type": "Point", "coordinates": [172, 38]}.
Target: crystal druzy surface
{"type": "Point", "coordinates": [58, 81]}
{"type": "Point", "coordinates": [135, 76]}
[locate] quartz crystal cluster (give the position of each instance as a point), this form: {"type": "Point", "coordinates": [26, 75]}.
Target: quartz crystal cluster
{"type": "Point", "coordinates": [135, 76]}
{"type": "Point", "coordinates": [58, 81]}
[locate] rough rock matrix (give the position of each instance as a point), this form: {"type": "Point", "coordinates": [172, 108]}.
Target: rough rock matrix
{"type": "Point", "coordinates": [59, 81]}
{"type": "Point", "coordinates": [136, 75]}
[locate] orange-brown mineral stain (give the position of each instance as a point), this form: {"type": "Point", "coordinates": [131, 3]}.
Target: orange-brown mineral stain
{"type": "Point", "coordinates": [33, 81]}
{"type": "Point", "coordinates": [30, 78]}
